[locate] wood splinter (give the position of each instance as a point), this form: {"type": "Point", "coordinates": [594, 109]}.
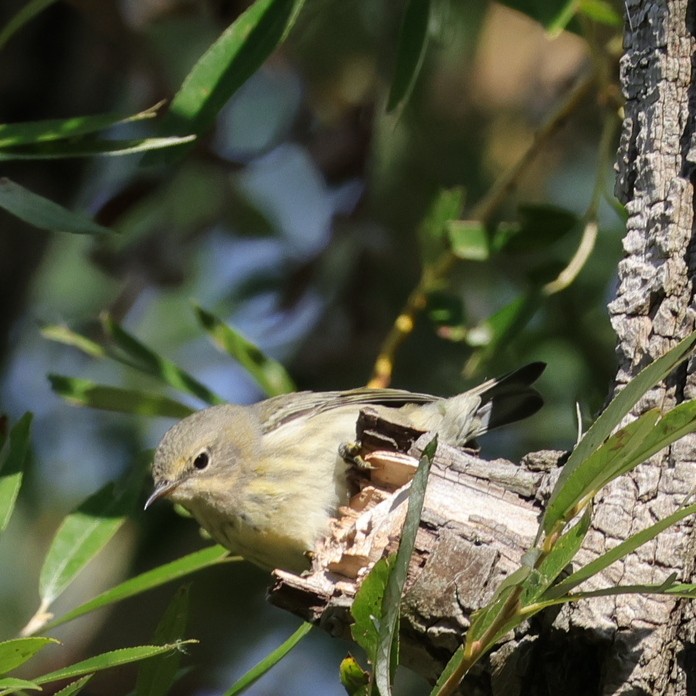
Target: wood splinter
{"type": "Point", "coordinates": [478, 519]}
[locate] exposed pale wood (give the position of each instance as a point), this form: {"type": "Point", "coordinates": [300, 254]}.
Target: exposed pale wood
{"type": "Point", "coordinates": [473, 532]}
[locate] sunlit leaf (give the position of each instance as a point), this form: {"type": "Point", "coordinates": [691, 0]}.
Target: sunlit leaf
{"type": "Point", "coordinates": [85, 532]}
{"type": "Point", "coordinates": [31, 132]}
{"type": "Point", "coordinates": [175, 570]}
{"type": "Point", "coordinates": [65, 335]}
{"type": "Point", "coordinates": [91, 147]}
{"type": "Point", "coordinates": [410, 51]}
{"type": "Point", "coordinates": [468, 239]}
{"type": "Point", "coordinates": [269, 661]}
{"type": "Point", "coordinates": [13, 685]}
{"type": "Point", "coordinates": [157, 675]}
{"type": "Point", "coordinates": [83, 392]}
{"type": "Point", "coordinates": [16, 652]}
{"type": "Point", "coordinates": [599, 468]}
{"type": "Point", "coordinates": [387, 647]}
{"type": "Point", "coordinates": [620, 405]}
{"type": "Point", "coordinates": [600, 11]}
{"type": "Point", "coordinates": [634, 542]}
{"type": "Point", "coordinates": [107, 660]}
{"type": "Point", "coordinates": [74, 687]}
{"type": "Point", "coordinates": [43, 213]}
{"type": "Point", "coordinates": [12, 458]}
{"type": "Point", "coordinates": [556, 561]}
{"type": "Point", "coordinates": [268, 373]}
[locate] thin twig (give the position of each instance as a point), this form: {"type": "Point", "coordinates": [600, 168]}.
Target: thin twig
{"type": "Point", "coordinates": [483, 211]}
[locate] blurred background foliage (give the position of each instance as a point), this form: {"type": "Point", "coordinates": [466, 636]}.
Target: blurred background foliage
{"type": "Point", "coordinates": [303, 217]}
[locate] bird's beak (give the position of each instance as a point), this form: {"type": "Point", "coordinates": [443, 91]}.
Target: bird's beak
{"type": "Point", "coordinates": [161, 489]}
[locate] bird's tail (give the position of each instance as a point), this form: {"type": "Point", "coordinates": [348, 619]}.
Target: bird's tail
{"type": "Point", "coordinates": [465, 417]}
{"type": "Point", "coordinates": [510, 397]}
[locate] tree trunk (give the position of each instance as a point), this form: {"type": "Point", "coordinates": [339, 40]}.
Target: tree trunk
{"type": "Point", "coordinates": [650, 640]}
{"type": "Point", "coordinates": [615, 645]}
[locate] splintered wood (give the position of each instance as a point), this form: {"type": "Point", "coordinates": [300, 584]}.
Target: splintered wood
{"type": "Point", "coordinates": [472, 534]}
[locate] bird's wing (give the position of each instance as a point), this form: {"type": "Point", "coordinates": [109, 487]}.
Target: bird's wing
{"type": "Point", "coordinates": [510, 398]}
{"type": "Point", "coordinates": [280, 410]}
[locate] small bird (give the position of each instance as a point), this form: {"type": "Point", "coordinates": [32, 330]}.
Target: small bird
{"type": "Point", "coordinates": [264, 480]}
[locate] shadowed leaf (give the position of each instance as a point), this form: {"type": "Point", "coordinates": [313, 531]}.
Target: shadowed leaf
{"type": "Point", "coordinates": [83, 392]}
{"type": "Point", "coordinates": [13, 455]}
{"type": "Point", "coordinates": [43, 213]}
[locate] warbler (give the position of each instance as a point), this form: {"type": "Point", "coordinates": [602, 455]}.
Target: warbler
{"type": "Point", "coordinates": [264, 480]}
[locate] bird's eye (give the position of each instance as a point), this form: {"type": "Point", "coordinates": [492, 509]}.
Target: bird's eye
{"type": "Point", "coordinates": [201, 461]}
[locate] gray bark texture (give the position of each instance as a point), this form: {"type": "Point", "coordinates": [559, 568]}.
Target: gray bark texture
{"type": "Point", "coordinates": [617, 645]}
{"type": "Point", "coordinates": [650, 644]}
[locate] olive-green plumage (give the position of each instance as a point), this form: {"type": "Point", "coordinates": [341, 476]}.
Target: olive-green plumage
{"type": "Point", "coordinates": [265, 479]}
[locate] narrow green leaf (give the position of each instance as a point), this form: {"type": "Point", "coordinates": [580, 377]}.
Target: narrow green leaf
{"type": "Point", "coordinates": [673, 425]}
{"type": "Point", "coordinates": [600, 11]}
{"type": "Point", "coordinates": [153, 364]}
{"type": "Point", "coordinates": [234, 57]}
{"type": "Point", "coordinates": [91, 147]}
{"type": "Point", "coordinates": [156, 676]}
{"type": "Point", "coordinates": [623, 549]}
{"type": "Point", "coordinates": [563, 552]}
{"type": "Point", "coordinates": [83, 392]}
{"type": "Point", "coordinates": [620, 405]}
{"type": "Point", "coordinates": [410, 52]}
{"type": "Point", "coordinates": [13, 455]}
{"type": "Point", "coordinates": [468, 239]}
{"type": "Point", "coordinates": [452, 664]}
{"type": "Point", "coordinates": [681, 589]}
{"type": "Point", "coordinates": [269, 661]}
{"type": "Point", "coordinates": [85, 532]}
{"type": "Point", "coordinates": [384, 668]}
{"type": "Point", "coordinates": [25, 13]}
{"type": "Point", "coordinates": [31, 132]}
{"type": "Point", "coordinates": [482, 619]}
{"type": "Point", "coordinates": [603, 465]}
{"type": "Point", "coordinates": [621, 453]}
{"type": "Point", "coordinates": [107, 660]}
{"type": "Point", "coordinates": [270, 375]}
{"type": "Point", "coordinates": [14, 653]}
{"type": "Point", "coordinates": [175, 570]}
{"type": "Point", "coordinates": [74, 687]}
{"type": "Point", "coordinates": [367, 607]}
{"type": "Point", "coordinates": [65, 335]}
{"type": "Point", "coordinates": [43, 213]}
{"type": "Point", "coordinates": [12, 685]}
{"type": "Point", "coordinates": [562, 19]}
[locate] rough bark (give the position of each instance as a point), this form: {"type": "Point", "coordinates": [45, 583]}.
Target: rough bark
{"type": "Point", "coordinates": [651, 639]}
